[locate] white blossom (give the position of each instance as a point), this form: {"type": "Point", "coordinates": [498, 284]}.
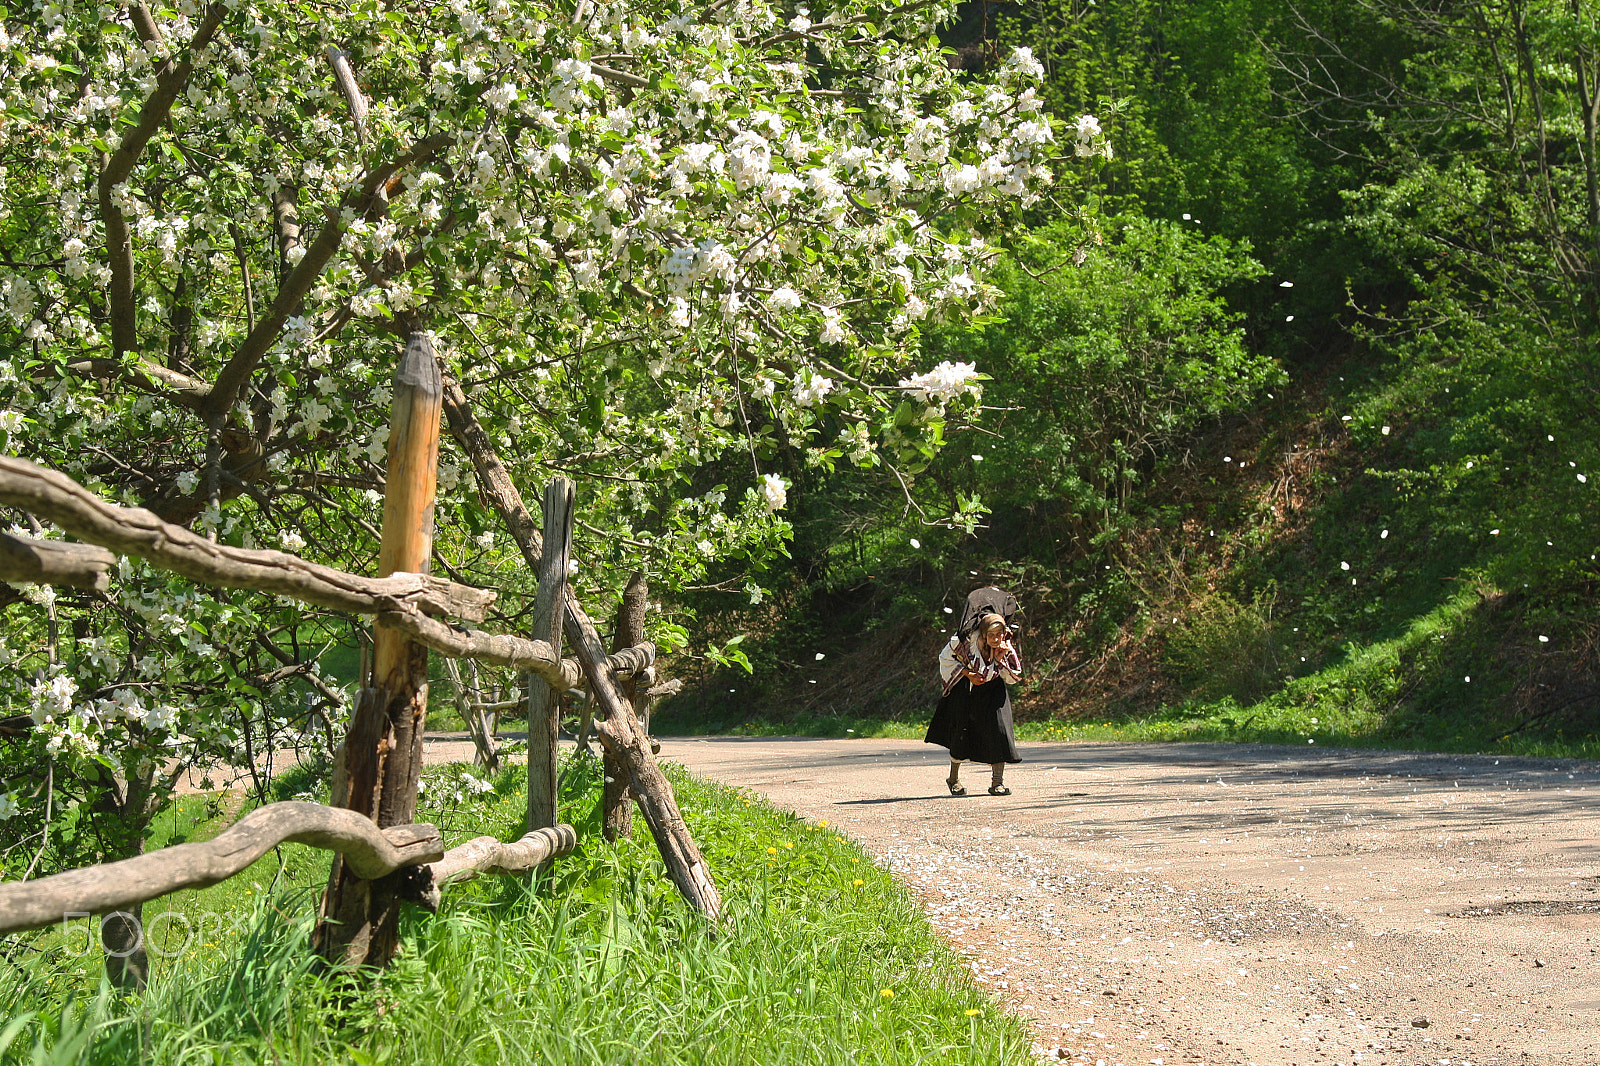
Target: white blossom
{"type": "Point", "coordinates": [811, 388]}
{"type": "Point", "coordinates": [945, 382]}
{"type": "Point", "coordinates": [775, 491]}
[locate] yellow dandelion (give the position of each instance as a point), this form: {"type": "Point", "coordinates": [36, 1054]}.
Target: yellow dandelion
{"type": "Point", "coordinates": [973, 1013]}
{"type": "Point", "coordinates": [822, 824]}
{"type": "Point", "coordinates": [858, 881]}
{"type": "Point", "coordinates": [772, 851]}
{"type": "Point", "coordinates": [887, 993]}
{"type": "Point", "coordinates": [789, 844]}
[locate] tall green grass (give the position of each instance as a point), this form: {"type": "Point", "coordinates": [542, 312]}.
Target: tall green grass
{"type": "Point", "coordinates": [823, 958]}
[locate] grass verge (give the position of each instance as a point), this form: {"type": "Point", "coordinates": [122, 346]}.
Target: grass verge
{"type": "Point", "coordinates": [824, 958]}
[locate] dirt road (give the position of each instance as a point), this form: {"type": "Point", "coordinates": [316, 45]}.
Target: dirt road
{"type": "Point", "coordinates": [1207, 903]}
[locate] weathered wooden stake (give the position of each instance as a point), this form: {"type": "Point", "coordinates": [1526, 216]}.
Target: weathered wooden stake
{"type": "Point", "coordinates": [544, 703]}
{"type": "Point", "coordinates": [383, 750]}
{"type": "Point", "coordinates": [616, 801]}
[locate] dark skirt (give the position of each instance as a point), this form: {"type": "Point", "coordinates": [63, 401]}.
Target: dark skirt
{"type": "Point", "coordinates": [975, 723]}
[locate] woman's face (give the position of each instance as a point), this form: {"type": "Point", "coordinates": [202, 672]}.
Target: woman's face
{"type": "Point", "coordinates": [995, 636]}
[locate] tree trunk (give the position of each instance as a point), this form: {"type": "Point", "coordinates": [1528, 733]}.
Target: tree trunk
{"type": "Point", "coordinates": [616, 801]}
{"type": "Point", "coordinates": [544, 702]}
{"type": "Point", "coordinates": [127, 955]}
{"type": "Point", "coordinates": [383, 751]}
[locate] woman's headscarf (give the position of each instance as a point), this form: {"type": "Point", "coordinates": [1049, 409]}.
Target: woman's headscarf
{"type": "Point", "coordinates": [987, 600]}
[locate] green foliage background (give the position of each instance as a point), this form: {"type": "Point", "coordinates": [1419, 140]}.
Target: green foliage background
{"type": "Point", "coordinates": [1293, 438]}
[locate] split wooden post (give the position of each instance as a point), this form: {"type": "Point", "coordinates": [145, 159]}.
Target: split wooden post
{"type": "Point", "coordinates": [616, 801]}
{"type": "Point", "coordinates": [383, 750]}
{"type": "Point", "coordinates": [544, 702]}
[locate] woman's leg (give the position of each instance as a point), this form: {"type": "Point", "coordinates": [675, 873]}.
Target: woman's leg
{"type": "Point", "coordinates": [997, 775]}
{"type": "Point", "coordinates": [955, 773]}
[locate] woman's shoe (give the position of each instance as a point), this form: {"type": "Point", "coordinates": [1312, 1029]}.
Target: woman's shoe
{"type": "Point", "coordinates": [999, 790]}
{"type": "Point", "coordinates": [956, 787]}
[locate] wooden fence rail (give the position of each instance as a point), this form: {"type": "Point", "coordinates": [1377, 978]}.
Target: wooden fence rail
{"type": "Point", "coordinates": [119, 885]}
{"type": "Point", "coordinates": [369, 851]}
{"type": "Point", "coordinates": [400, 601]}
{"type": "Point", "coordinates": [52, 495]}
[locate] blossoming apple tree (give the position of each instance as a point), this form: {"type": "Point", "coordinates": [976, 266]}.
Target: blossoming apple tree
{"type": "Point", "coordinates": [646, 238]}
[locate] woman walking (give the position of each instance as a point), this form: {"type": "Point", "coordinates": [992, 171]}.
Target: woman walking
{"type": "Point", "coordinates": [974, 717]}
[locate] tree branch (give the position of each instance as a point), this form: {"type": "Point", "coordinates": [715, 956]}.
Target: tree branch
{"type": "Point", "coordinates": [359, 202]}
{"type": "Point", "coordinates": [170, 81]}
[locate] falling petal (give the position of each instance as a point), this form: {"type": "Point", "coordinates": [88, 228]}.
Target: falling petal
{"type": "Point", "coordinates": [1582, 480]}
{"type": "Point", "coordinates": [1285, 284]}
{"type": "Point", "coordinates": [1543, 639]}
{"type": "Point", "coordinates": [977, 458]}
{"type": "Point", "coordinates": [1384, 535]}
{"type": "Point", "coordinates": [915, 543]}
{"type": "Point", "coordinates": [1468, 679]}
{"type": "Point", "coordinates": [1186, 216]}
{"type": "Point", "coordinates": [1288, 318]}
{"type": "Point", "coordinates": [1385, 431]}
{"type": "Point", "coordinates": [1344, 566]}
{"type": "Point", "coordinates": [1549, 438]}
{"type": "Point", "coordinates": [821, 656]}
{"type": "Point", "coordinates": [1344, 418]}
{"type": "Point", "coordinates": [1494, 532]}
{"type": "Point", "coordinates": [1227, 458]}
{"type": "Point", "coordinates": [949, 610]}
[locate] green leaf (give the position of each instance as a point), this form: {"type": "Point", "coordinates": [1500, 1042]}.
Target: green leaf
{"type": "Point", "coordinates": [15, 1026]}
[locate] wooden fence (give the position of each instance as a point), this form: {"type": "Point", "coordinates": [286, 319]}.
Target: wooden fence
{"type": "Point", "coordinates": [369, 825]}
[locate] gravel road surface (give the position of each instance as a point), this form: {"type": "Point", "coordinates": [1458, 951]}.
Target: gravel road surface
{"type": "Point", "coordinates": [1209, 903]}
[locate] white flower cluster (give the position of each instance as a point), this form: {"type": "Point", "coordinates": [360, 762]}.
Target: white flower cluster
{"type": "Point", "coordinates": [775, 491]}
{"type": "Point", "coordinates": [1091, 139]}
{"type": "Point", "coordinates": [945, 382]}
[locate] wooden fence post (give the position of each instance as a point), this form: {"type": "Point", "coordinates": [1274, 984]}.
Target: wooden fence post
{"type": "Point", "coordinates": [616, 801]}
{"type": "Point", "coordinates": [620, 731]}
{"type": "Point", "coordinates": [623, 736]}
{"type": "Point", "coordinates": [383, 749]}
{"type": "Point", "coordinates": [544, 703]}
